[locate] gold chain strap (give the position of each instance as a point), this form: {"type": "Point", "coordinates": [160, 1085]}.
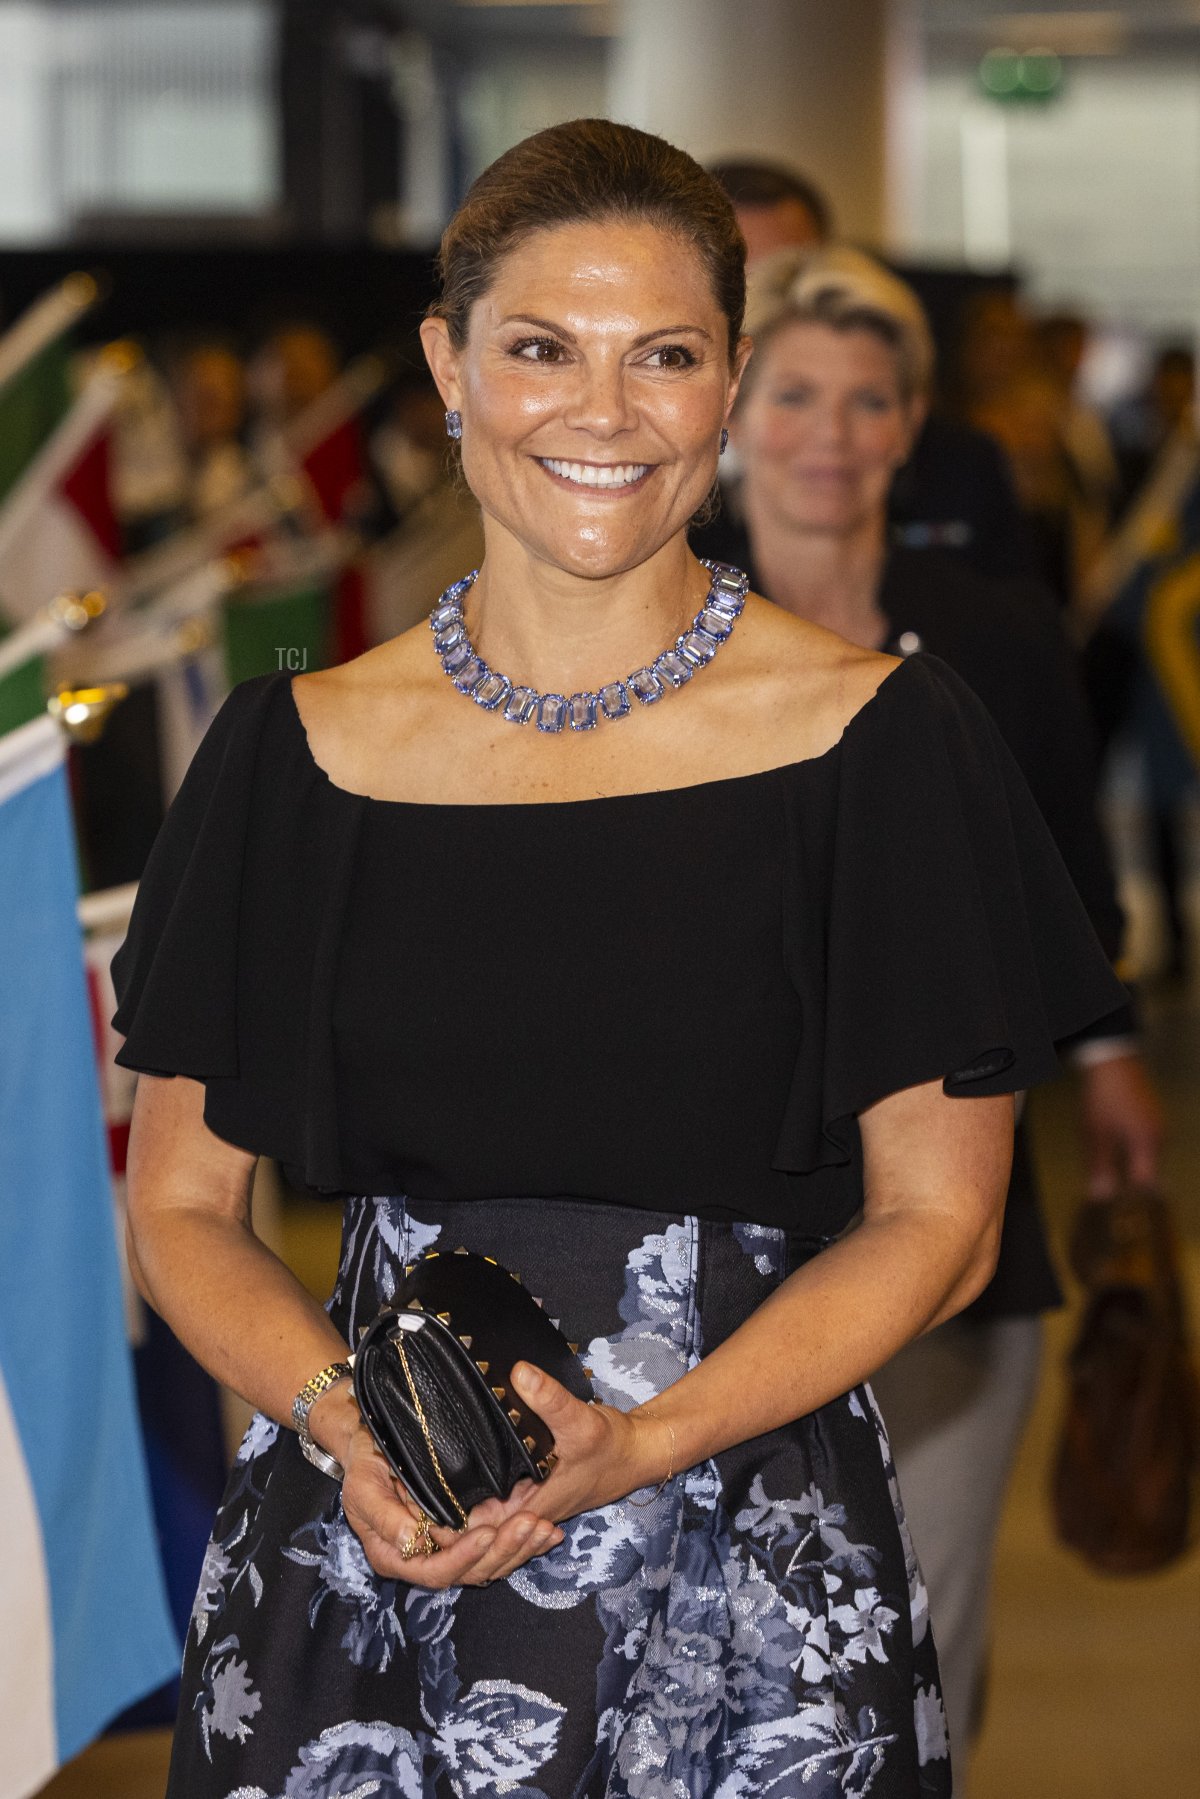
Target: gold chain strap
{"type": "Point", "coordinates": [425, 1431]}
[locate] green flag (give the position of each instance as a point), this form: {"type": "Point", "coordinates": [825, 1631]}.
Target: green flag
{"type": "Point", "coordinates": [268, 631]}
{"type": "Point", "coordinates": [22, 691]}
{"type": "Point", "coordinates": [32, 404]}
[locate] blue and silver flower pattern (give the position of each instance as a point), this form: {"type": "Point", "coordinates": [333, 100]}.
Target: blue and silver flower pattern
{"type": "Point", "coordinates": [748, 1635]}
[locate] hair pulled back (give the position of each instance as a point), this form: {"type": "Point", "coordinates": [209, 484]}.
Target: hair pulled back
{"type": "Point", "coordinates": [585, 170]}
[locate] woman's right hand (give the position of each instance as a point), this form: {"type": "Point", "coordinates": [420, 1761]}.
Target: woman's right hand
{"type": "Point", "coordinates": [385, 1519]}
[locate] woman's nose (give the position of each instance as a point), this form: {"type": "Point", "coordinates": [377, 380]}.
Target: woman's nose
{"type": "Point", "coordinates": [831, 423]}
{"type": "Point", "coordinates": [600, 402]}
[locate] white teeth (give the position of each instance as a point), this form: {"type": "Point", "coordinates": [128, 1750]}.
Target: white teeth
{"type": "Point", "coordinates": [593, 474]}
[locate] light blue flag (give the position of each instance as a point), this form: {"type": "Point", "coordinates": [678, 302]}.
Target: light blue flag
{"type": "Point", "coordinates": [84, 1625]}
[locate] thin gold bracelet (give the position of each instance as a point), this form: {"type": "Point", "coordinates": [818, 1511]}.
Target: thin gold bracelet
{"type": "Point", "coordinates": [669, 1475]}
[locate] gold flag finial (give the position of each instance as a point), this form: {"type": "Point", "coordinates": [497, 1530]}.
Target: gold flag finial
{"type": "Point", "coordinates": [83, 712]}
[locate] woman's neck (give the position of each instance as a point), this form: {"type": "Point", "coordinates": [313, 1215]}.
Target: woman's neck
{"type": "Point", "coordinates": [830, 578]}
{"type": "Point", "coordinates": [563, 631]}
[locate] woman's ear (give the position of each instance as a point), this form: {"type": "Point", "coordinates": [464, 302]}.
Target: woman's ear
{"type": "Point", "coordinates": [742, 355]}
{"type": "Point", "coordinates": [442, 358]}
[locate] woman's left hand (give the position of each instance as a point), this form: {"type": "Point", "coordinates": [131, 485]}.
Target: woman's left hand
{"type": "Point", "coordinates": [602, 1453]}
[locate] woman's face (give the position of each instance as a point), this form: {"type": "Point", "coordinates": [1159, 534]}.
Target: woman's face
{"type": "Point", "coordinates": [592, 387]}
{"type": "Point", "coordinates": [823, 427]}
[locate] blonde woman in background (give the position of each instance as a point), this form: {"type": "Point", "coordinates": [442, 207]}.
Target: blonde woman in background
{"type": "Point", "coordinates": [829, 408]}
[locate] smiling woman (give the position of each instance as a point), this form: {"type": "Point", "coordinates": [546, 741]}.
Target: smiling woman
{"type": "Point", "coordinates": [654, 1014]}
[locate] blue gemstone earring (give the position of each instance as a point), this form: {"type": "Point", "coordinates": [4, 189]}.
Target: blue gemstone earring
{"type": "Point", "coordinates": [454, 425]}
{"type": "Point", "coordinates": [724, 440]}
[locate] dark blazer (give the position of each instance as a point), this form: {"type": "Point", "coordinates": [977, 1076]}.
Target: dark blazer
{"type": "Point", "coordinates": [956, 492]}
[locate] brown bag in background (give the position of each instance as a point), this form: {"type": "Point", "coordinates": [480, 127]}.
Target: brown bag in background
{"type": "Point", "coordinates": [1124, 1479]}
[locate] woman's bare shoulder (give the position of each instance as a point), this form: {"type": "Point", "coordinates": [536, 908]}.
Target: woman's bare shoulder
{"type": "Point", "coordinates": [816, 681]}
{"type": "Point", "coordinates": [369, 706]}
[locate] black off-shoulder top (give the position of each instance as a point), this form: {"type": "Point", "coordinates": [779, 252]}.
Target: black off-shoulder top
{"type": "Point", "coordinates": [674, 1000]}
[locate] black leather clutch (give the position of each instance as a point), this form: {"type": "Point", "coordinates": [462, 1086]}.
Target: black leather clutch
{"type": "Point", "coordinates": [433, 1380]}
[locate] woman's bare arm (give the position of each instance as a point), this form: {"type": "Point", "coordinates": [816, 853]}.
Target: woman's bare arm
{"type": "Point", "coordinates": [936, 1172]}
{"type": "Point", "coordinates": [247, 1319]}
{"type": "Point", "coordinates": [195, 1258]}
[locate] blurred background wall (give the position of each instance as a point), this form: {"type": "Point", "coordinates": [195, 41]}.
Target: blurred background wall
{"type": "Point", "coordinates": [1061, 143]}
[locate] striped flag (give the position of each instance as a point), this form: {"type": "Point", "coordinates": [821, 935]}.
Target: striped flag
{"type": "Point", "coordinates": [58, 529]}
{"type": "Point", "coordinates": [35, 380]}
{"type": "Point", "coordinates": [86, 1628]}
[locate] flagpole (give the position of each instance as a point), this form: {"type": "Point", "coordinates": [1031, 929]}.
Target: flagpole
{"type": "Point", "coordinates": [63, 618]}
{"type": "Point", "coordinates": [44, 322]}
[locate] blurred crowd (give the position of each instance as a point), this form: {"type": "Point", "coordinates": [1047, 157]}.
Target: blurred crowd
{"type": "Point", "coordinates": [201, 422]}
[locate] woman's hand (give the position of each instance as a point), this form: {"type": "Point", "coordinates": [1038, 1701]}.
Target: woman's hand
{"type": "Point", "coordinates": [601, 1454]}
{"type": "Point", "coordinates": [1122, 1119]}
{"type": "Point", "coordinates": [384, 1518]}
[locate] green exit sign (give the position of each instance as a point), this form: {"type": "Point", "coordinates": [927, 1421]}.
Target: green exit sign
{"type": "Point", "coordinates": [1017, 78]}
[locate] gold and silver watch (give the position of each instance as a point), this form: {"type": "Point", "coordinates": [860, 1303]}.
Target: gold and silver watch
{"type": "Point", "coordinates": [303, 1403]}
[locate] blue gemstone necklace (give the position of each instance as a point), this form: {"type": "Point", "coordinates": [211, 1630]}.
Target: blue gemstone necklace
{"type": "Point", "coordinates": [694, 650]}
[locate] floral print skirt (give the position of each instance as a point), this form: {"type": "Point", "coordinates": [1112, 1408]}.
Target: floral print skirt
{"type": "Point", "coordinates": [758, 1628]}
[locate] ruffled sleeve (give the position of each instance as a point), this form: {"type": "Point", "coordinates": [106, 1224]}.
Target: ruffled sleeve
{"type": "Point", "coordinates": [934, 932]}
{"type": "Point", "coordinates": [228, 971]}
{"type": "Point", "coordinates": [175, 975]}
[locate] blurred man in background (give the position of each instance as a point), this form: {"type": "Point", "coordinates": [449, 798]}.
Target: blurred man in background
{"type": "Point", "coordinates": [956, 491]}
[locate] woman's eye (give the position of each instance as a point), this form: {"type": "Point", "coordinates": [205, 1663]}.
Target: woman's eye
{"type": "Point", "coordinates": [875, 401]}
{"type": "Point", "coordinates": [794, 396]}
{"type": "Point", "coordinates": [537, 349]}
{"type": "Point", "coordinates": [672, 356]}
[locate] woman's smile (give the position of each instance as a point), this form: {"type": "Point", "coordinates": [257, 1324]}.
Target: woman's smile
{"type": "Point", "coordinates": [610, 478]}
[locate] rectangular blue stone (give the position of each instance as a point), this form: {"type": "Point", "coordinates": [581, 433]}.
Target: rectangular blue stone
{"type": "Point", "coordinates": [583, 711]}
{"type": "Point", "coordinates": [552, 712]}
{"type": "Point", "coordinates": [454, 659]}
{"type": "Point", "coordinates": [492, 691]}
{"type": "Point", "coordinates": [645, 685]}
{"type": "Point", "coordinates": [470, 675]}
{"type": "Point", "coordinates": [714, 623]}
{"type": "Point", "coordinates": [518, 708]}
{"type": "Point", "coordinates": [698, 647]}
{"type": "Point", "coordinates": [673, 668]}
{"type": "Point", "coordinates": [448, 636]}
{"type": "Point", "coordinates": [614, 700]}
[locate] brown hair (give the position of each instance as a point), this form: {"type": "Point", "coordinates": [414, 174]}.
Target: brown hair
{"type": "Point", "coordinates": [588, 169]}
